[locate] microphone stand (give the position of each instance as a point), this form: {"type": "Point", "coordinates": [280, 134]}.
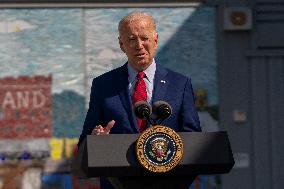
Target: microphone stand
{"type": "Point", "coordinates": [154, 122]}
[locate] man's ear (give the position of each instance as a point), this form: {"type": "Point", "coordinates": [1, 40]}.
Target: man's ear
{"type": "Point", "coordinates": [121, 44]}
{"type": "Point", "coordinates": [156, 39]}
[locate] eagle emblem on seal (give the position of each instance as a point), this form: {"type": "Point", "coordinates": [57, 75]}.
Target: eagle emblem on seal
{"type": "Point", "coordinates": [159, 149]}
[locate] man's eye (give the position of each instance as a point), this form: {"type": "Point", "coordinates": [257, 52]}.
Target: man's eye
{"type": "Point", "coordinates": [145, 38]}
{"type": "Point", "coordinates": [131, 37]}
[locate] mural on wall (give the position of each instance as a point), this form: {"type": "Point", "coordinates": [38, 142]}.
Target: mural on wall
{"type": "Point", "coordinates": [25, 110]}
{"type": "Point", "coordinates": [75, 45]}
{"type": "Point", "coordinates": [47, 42]}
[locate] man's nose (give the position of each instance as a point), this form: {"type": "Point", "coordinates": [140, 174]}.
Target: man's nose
{"type": "Point", "coordinates": [139, 43]}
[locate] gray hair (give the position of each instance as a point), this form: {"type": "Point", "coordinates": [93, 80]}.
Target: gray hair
{"type": "Point", "coordinates": [136, 15]}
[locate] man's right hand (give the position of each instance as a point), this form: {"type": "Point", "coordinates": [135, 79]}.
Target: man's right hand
{"type": "Point", "coordinates": [100, 130]}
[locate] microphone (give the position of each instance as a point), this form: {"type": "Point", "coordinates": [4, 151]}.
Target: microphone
{"type": "Point", "coordinates": [162, 110]}
{"type": "Point", "coordinates": [142, 110]}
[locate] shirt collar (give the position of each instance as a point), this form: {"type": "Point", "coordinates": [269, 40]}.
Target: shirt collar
{"type": "Point", "coordinates": [149, 72]}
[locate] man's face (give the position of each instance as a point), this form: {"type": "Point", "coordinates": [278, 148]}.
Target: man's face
{"type": "Point", "coordinates": [139, 41]}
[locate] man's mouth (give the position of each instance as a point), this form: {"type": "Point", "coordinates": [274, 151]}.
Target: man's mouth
{"type": "Point", "coordinates": [140, 55]}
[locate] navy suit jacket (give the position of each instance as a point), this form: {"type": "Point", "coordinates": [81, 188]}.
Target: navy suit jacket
{"type": "Point", "coordinates": [110, 100]}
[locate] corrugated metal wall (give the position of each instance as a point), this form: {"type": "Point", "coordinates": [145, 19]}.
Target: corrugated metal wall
{"type": "Point", "coordinates": [251, 81]}
{"type": "Point", "coordinates": [267, 120]}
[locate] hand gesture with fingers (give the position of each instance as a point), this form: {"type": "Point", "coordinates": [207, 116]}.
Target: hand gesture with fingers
{"type": "Point", "coordinates": [100, 130]}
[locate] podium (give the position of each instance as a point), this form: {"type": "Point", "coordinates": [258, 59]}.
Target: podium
{"type": "Point", "coordinates": [113, 156]}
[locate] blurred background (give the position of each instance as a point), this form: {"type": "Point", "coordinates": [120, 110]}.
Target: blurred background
{"type": "Point", "coordinates": [233, 52]}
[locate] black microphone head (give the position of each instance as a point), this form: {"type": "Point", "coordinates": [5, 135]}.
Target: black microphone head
{"type": "Point", "coordinates": [162, 110]}
{"type": "Point", "coordinates": [142, 109]}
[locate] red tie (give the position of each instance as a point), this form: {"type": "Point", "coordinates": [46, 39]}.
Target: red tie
{"type": "Point", "coordinates": [140, 94]}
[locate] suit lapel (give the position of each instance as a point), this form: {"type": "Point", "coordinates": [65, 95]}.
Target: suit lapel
{"type": "Point", "coordinates": [159, 91]}
{"type": "Point", "coordinates": [160, 84]}
{"type": "Point", "coordinates": [123, 90]}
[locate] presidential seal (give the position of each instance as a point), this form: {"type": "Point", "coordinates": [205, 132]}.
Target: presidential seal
{"type": "Point", "coordinates": [159, 149]}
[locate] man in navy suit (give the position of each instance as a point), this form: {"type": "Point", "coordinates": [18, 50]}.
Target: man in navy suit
{"type": "Point", "coordinates": [110, 108]}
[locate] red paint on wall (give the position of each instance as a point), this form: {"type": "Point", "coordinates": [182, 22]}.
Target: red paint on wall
{"type": "Point", "coordinates": [25, 107]}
